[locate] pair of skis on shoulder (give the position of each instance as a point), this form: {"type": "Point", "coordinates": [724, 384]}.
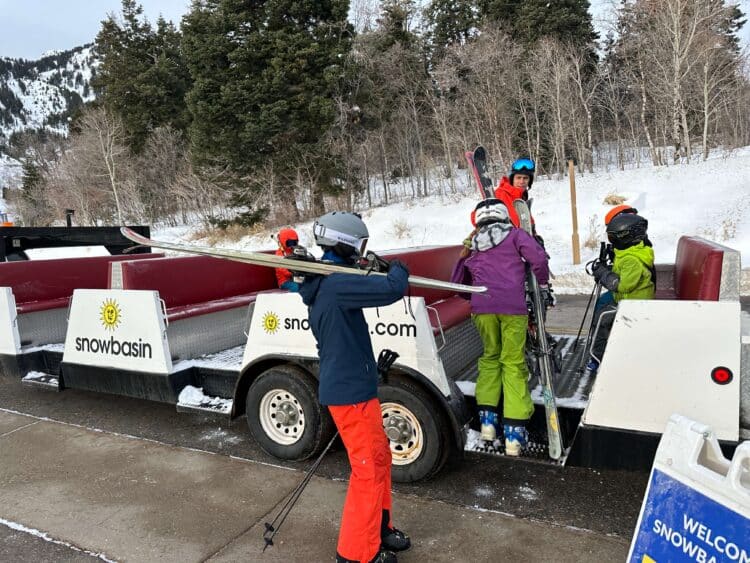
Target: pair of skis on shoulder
{"type": "Point", "coordinates": [478, 163]}
{"type": "Point", "coordinates": [306, 266]}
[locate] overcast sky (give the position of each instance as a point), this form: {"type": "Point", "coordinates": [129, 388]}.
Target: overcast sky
{"type": "Point", "coordinates": [28, 28]}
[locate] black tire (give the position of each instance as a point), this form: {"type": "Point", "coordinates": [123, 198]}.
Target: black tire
{"type": "Point", "coordinates": [431, 422]}
{"type": "Point", "coordinates": [298, 390]}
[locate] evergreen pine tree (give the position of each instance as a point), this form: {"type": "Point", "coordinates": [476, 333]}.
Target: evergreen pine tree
{"type": "Point", "coordinates": [449, 22]}
{"type": "Point", "coordinates": [142, 78]}
{"type": "Point", "coordinates": [568, 21]}
{"type": "Point", "coordinates": [264, 75]}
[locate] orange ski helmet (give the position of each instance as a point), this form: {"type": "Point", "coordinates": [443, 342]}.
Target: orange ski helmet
{"type": "Point", "coordinates": [616, 210]}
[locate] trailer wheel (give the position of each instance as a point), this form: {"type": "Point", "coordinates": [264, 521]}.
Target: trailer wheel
{"type": "Point", "coordinates": [416, 429]}
{"type": "Point", "coordinates": [284, 415]}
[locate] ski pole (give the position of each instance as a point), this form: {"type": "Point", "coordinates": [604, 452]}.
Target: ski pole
{"type": "Point", "coordinates": [596, 291]}
{"type": "Point", "coordinates": [583, 319]}
{"type": "Point", "coordinates": [385, 361]}
{"type": "Point", "coordinates": [271, 527]}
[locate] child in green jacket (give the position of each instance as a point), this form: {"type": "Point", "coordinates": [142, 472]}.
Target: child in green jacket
{"type": "Point", "coordinates": [629, 277]}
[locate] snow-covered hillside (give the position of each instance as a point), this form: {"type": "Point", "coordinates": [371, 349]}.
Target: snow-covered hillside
{"type": "Point", "coordinates": [43, 93]}
{"type": "Point", "coordinates": [710, 199]}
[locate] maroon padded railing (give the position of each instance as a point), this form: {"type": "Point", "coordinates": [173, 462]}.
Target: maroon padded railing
{"type": "Point", "coordinates": [39, 285]}
{"type": "Point", "coordinates": [197, 285]}
{"type": "Point", "coordinates": [436, 263]}
{"type": "Point", "coordinates": [697, 274]}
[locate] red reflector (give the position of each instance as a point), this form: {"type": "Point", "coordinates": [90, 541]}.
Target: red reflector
{"type": "Point", "coordinates": [721, 375]}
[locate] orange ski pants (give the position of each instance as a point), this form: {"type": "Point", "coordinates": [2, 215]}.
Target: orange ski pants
{"type": "Point", "coordinates": [361, 429]}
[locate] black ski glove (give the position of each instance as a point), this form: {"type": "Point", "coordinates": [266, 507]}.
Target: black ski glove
{"type": "Point", "coordinates": [600, 270]}
{"type": "Point", "coordinates": [374, 263]}
{"type": "Point", "coordinates": [385, 361]}
{"type": "Point", "coordinates": [548, 297]}
{"type": "Point", "coordinates": [607, 278]}
{"type": "Point", "coordinates": [300, 253]}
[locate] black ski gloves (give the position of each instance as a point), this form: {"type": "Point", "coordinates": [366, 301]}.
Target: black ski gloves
{"type": "Point", "coordinates": [301, 253]}
{"type": "Point", "coordinates": [374, 263]}
{"type": "Point", "coordinates": [606, 277]}
{"type": "Point", "coordinates": [548, 297]}
{"type": "Point", "coordinates": [385, 361]}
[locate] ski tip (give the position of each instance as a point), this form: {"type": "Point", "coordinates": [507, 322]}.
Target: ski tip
{"type": "Point", "coordinates": [128, 233]}
{"type": "Point", "coordinates": [132, 236]}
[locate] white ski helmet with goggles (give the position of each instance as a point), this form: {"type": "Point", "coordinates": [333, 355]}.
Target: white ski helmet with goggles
{"type": "Point", "coordinates": [342, 231]}
{"type": "Point", "coordinates": [490, 211]}
{"type": "Point", "coordinates": [524, 166]}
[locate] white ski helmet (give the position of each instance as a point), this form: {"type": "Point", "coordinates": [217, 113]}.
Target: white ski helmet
{"type": "Point", "coordinates": [490, 211]}
{"type": "Point", "coordinates": [345, 232]}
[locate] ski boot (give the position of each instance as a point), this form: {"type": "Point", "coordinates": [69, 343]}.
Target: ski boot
{"type": "Point", "coordinates": [592, 367]}
{"type": "Point", "coordinates": [392, 539]}
{"type": "Point", "coordinates": [488, 421]}
{"type": "Point", "coordinates": [516, 439]}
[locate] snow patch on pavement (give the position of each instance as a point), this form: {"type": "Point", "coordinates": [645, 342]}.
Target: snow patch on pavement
{"type": "Point", "coordinates": [528, 493]}
{"type": "Point", "coordinates": [220, 435]}
{"type": "Point", "coordinates": [484, 492]}
{"type": "Point", "coordinates": [41, 535]}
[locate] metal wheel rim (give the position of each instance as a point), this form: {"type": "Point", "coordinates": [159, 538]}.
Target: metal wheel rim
{"type": "Point", "coordinates": [410, 450]}
{"type": "Point", "coordinates": [285, 434]}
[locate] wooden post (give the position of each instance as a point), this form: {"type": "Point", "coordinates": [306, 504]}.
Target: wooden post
{"type": "Point", "coordinates": [574, 212]}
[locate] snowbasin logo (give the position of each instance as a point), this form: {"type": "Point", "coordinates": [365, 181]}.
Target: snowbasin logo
{"type": "Point", "coordinates": [270, 322]}
{"type": "Point", "coordinates": [110, 314]}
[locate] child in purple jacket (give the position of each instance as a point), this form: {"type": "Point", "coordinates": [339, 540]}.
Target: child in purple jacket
{"type": "Point", "coordinates": [496, 257]}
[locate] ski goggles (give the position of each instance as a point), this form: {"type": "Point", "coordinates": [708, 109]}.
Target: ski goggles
{"type": "Point", "coordinates": [523, 165]}
{"type": "Point", "coordinates": [358, 244]}
{"type": "Point", "coordinates": [291, 243]}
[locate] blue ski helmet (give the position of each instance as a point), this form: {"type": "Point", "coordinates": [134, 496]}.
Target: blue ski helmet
{"type": "Point", "coordinates": [524, 166]}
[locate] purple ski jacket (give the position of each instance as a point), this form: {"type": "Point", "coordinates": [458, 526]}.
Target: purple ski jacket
{"type": "Point", "coordinates": [502, 270]}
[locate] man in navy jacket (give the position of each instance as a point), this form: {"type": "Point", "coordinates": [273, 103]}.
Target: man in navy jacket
{"type": "Point", "coordinates": [349, 384]}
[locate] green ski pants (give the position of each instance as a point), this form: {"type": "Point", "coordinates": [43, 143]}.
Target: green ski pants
{"type": "Point", "coordinates": [502, 367]}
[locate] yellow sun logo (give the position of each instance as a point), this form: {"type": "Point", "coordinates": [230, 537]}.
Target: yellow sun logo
{"type": "Point", "coordinates": [270, 322]}
{"type": "Point", "coordinates": [110, 314]}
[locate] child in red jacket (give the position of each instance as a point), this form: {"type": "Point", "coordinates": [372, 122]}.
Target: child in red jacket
{"type": "Point", "coordinates": [288, 240]}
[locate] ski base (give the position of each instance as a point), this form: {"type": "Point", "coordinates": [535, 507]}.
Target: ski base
{"type": "Point", "coordinates": [541, 348]}
{"type": "Point", "coordinates": [477, 161]}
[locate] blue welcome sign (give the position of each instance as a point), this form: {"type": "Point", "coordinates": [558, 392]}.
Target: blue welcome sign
{"type": "Point", "coordinates": [679, 523]}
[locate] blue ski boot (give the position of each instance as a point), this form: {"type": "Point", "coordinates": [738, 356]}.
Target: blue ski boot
{"type": "Point", "coordinates": [591, 368]}
{"type": "Point", "coordinates": [516, 439]}
{"type": "Point", "coordinates": [488, 420]}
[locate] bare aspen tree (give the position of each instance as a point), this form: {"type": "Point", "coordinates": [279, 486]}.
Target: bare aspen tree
{"type": "Point", "coordinates": [95, 174]}
{"type": "Point", "coordinates": [556, 89]}
{"type": "Point", "coordinates": [110, 135]}
{"type": "Point", "coordinates": [587, 86]}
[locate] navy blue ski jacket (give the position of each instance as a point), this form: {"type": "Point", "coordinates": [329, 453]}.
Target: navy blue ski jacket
{"type": "Point", "coordinates": [348, 371]}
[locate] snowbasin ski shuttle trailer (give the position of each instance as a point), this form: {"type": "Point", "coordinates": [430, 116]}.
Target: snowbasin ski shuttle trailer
{"type": "Point", "coordinates": [215, 336]}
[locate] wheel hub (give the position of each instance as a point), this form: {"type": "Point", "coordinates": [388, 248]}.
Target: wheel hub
{"type": "Point", "coordinates": [398, 429]}
{"type": "Point", "coordinates": [404, 432]}
{"type": "Point", "coordinates": [287, 414]}
{"type": "Point", "coordinates": [282, 417]}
